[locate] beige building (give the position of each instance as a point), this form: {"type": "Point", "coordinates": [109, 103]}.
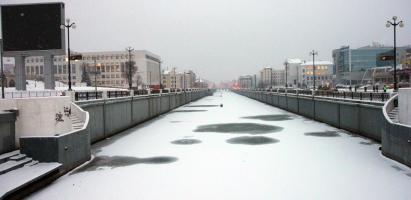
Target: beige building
{"type": "Point", "coordinates": [174, 79]}
{"type": "Point", "coordinates": [323, 73]}
{"type": "Point", "coordinates": [111, 68]}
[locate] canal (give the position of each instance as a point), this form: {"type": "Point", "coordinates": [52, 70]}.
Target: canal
{"type": "Point", "coordinates": [227, 146]}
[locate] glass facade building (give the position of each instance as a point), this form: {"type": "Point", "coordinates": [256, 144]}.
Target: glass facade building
{"type": "Point", "coordinates": [359, 61]}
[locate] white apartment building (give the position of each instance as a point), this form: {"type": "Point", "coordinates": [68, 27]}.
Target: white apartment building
{"type": "Point", "coordinates": [294, 72]}
{"type": "Point", "coordinates": [246, 81]}
{"type": "Point", "coordinates": [323, 73]}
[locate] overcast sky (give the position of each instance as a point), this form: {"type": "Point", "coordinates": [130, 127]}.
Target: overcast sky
{"type": "Point", "coordinates": [222, 39]}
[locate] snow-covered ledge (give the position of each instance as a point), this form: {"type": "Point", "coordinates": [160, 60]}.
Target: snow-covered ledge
{"type": "Point", "coordinates": [404, 105]}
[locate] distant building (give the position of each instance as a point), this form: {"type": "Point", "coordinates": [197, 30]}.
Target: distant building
{"type": "Point", "coordinates": [323, 73]}
{"type": "Point", "coordinates": [354, 65]}
{"type": "Point", "coordinates": [278, 77]}
{"type": "Point", "coordinates": [246, 82]}
{"type": "Point", "coordinates": [294, 73]}
{"type": "Point", "coordinates": [266, 77]}
{"type": "Point", "coordinates": [174, 79]}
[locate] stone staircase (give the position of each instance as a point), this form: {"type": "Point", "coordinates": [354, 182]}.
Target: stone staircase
{"type": "Point", "coordinates": [19, 172]}
{"type": "Point", "coordinates": [393, 115]}
{"type": "Point", "coordinates": [76, 122]}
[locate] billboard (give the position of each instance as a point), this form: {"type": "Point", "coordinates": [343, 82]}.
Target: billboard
{"type": "Point", "coordinates": [33, 29]}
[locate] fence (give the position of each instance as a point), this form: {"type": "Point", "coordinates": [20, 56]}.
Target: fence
{"type": "Point", "coordinates": [32, 94]}
{"type": "Point", "coordinates": [367, 96]}
{"type": "Point", "coordinates": [81, 96]}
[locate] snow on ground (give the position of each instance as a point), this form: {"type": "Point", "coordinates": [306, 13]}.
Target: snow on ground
{"type": "Point", "coordinates": [304, 160]}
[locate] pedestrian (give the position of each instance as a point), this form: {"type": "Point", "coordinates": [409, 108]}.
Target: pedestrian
{"type": "Point", "coordinates": [376, 88]}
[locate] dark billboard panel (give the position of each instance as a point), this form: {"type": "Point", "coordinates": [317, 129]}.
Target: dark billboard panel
{"type": "Point", "coordinates": [32, 27]}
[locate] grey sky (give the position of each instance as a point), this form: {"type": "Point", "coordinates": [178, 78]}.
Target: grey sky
{"type": "Point", "coordinates": [222, 39]}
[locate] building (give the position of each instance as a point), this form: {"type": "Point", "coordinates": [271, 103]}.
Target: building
{"type": "Point", "coordinates": [278, 77]}
{"type": "Point", "coordinates": [294, 73]}
{"type": "Point", "coordinates": [351, 65]}
{"type": "Point", "coordinates": [266, 77]}
{"type": "Point", "coordinates": [323, 74]}
{"type": "Point", "coordinates": [174, 79]}
{"type": "Point", "coordinates": [246, 82]}
{"type": "Point", "coordinates": [109, 69]}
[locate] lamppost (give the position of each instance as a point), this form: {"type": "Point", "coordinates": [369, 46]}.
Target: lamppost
{"type": "Point", "coordinates": [394, 23]}
{"type": "Point", "coordinates": [286, 74]}
{"type": "Point", "coordinates": [313, 53]}
{"type": "Point", "coordinates": [130, 81]}
{"type": "Point", "coordinates": [95, 73]}
{"type": "Point", "coordinates": [67, 26]}
{"type": "Point", "coordinates": [2, 76]}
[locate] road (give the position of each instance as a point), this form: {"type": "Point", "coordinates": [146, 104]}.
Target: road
{"type": "Point", "coordinates": [227, 146]}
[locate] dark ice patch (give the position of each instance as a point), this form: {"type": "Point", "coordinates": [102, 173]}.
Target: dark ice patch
{"type": "Point", "coordinates": [323, 134]}
{"type": "Point", "coordinates": [269, 117]}
{"type": "Point", "coordinates": [187, 111]}
{"type": "Point", "coordinates": [186, 141]}
{"type": "Point", "coordinates": [239, 128]}
{"type": "Point", "coordinates": [255, 140]}
{"type": "Point", "coordinates": [199, 106]}
{"type": "Point", "coordinates": [175, 121]}
{"type": "Point", "coordinates": [367, 143]}
{"type": "Point", "coordinates": [121, 161]}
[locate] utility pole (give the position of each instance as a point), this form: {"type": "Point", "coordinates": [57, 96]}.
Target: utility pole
{"type": "Point", "coordinates": [314, 53]}
{"type": "Point", "coordinates": [130, 81]}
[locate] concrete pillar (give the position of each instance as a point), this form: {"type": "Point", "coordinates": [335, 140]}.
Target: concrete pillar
{"type": "Point", "coordinates": [20, 72]}
{"type": "Point", "coordinates": [104, 95]}
{"type": "Point", "coordinates": [49, 71]}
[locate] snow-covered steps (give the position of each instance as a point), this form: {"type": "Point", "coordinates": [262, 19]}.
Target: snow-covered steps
{"type": "Point", "coordinates": [393, 115]}
{"type": "Point", "coordinates": [5, 157]}
{"type": "Point", "coordinates": [19, 182]}
{"type": "Point", "coordinates": [76, 122]}
{"type": "Point", "coordinates": [13, 164]}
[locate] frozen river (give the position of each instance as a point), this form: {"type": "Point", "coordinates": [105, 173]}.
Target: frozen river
{"type": "Point", "coordinates": [243, 150]}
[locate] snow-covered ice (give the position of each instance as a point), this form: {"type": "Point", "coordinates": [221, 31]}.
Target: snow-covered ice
{"type": "Point", "coordinates": [280, 156]}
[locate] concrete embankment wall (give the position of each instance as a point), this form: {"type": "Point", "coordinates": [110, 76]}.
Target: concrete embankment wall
{"type": "Point", "coordinates": [366, 119]}
{"type": "Point", "coordinates": [108, 117]}
{"type": "Point", "coordinates": [363, 119]}
{"type": "Point", "coordinates": [7, 131]}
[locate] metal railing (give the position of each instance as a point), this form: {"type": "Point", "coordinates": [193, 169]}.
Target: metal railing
{"type": "Point", "coordinates": [116, 94]}
{"type": "Point", "coordinates": [88, 95]}
{"type": "Point", "coordinates": [366, 96]}
{"type": "Point", "coordinates": [32, 94]}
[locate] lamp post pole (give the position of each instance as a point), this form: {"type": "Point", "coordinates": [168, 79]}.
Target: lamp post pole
{"type": "Point", "coordinates": [67, 26]}
{"type": "Point", "coordinates": [286, 74]}
{"type": "Point", "coordinates": [313, 53]}
{"type": "Point", "coordinates": [394, 23]}
{"type": "Point", "coordinates": [130, 82]}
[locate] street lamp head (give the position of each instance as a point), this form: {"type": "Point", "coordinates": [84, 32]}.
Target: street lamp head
{"type": "Point", "coordinates": [388, 24]}
{"type": "Point", "coordinates": [73, 26]}
{"type": "Point", "coordinates": [394, 18]}
{"type": "Point", "coordinates": [68, 20]}
{"type": "Point", "coordinates": [62, 27]}
{"type": "Point", "coordinates": [401, 24]}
